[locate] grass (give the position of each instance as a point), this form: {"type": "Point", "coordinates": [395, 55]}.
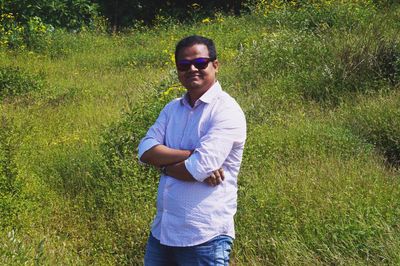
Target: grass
{"type": "Point", "coordinates": [319, 182]}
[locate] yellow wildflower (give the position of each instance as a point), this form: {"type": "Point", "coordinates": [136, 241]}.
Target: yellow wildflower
{"type": "Point", "coordinates": [175, 88]}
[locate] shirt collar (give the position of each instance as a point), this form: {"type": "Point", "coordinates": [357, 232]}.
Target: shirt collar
{"type": "Point", "coordinates": [211, 93]}
{"type": "Point", "coordinates": [208, 96]}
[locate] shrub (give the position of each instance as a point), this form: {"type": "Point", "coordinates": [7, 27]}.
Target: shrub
{"type": "Point", "coordinates": [121, 140]}
{"type": "Point", "coordinates": [369, 59]}
{"type": "Point", "coordinates": [61, 13]}
{"type": "Point", "coordinates": [37, 34]}
{"type": "Point", "coordinates": [15, 81]}
{"type": "Point", "coordinates": [378, 122]}
{"type": "Point", "coordinates": [33, 34]}
{"type": "Point", "coordinates": [11, 32]}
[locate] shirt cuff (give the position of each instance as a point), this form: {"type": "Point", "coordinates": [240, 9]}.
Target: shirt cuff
{"type": "Point", "coordinates": [192, 167]}
{"type": "Point", "coordinates": [145, 146]}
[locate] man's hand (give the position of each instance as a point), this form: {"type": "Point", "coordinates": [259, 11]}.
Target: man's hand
{"type": "Point", "coordinates": [215, 178]}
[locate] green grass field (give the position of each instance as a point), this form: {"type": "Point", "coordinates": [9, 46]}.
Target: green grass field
{"type": "Point", "coordinates": [319, 184]}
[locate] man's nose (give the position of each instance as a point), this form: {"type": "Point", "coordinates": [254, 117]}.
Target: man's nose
{"type": "Point", "coordinates": [193, 68]}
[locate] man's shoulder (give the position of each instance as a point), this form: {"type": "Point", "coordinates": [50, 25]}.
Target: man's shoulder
{"type": "Point", "coordinates": [226, 108]}
{"type": "Point", "coordinates": [225, 100]}
{"type": "Point", "coordinates": [177, 102]}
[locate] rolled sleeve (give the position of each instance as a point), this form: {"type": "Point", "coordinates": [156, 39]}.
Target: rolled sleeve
{"type": "Point", "coordinates": [155, 135]}
{"type": "Point", "coordinates": [227, 131]}
{"type": "Point", "coordinates": [146, 145]}
{"type": "Point", "coordinates": [193, 168]}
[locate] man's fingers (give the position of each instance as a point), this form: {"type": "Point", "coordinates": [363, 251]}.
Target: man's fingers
{"type": "Point", "coordinates": [216, 174]}
{"type": "Point", "coordinates": [215, 178]}
{"type": "Point", "coordinates": [218, 177]}
{"type": "Point", "coordinates": [221, 173]}
{"type": "Point", "coordinates": [208, 181]}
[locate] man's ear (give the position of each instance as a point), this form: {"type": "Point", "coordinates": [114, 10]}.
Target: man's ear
{"type": "Point", "coordinates": [215, 65]}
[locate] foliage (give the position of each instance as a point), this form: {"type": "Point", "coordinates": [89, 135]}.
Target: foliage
{"type": "Point", "coordinates": [124, 13]}
{"type": "Point", "coordinates": [119, 141]}
{"type": "Point", "coordinates": [77, 14]}
{"type": "Point", "coordinates": [60, 13]}
{"type": "Point", "coordinates": [11, 32]}
{"type": "Point", "coordinates": [31, 24]}
{"type": "Point", "coordinates": [34, 34]}
{"type": "Point", "coordinates": [15, 81]}
{"type": "Point", "coordinates": [378, 122]}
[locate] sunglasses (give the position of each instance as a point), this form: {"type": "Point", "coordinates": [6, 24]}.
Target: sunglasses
{"type": "Point", "coordinates": [199, 63]}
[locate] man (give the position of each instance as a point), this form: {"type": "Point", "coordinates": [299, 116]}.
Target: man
{"type": "Point", "coordinates": [197, 142]}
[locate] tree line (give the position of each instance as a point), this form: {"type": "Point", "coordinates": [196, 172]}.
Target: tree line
{"type": "Point", "coordinates": [73, 14]}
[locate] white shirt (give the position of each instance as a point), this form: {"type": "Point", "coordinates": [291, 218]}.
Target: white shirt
{"type": "Point", "coordinates": [191, 213]}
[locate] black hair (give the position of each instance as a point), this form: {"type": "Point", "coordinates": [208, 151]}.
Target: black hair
{"type": "Point", "coordinates": [196, 39]}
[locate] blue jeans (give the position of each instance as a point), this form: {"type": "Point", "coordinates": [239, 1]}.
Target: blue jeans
{"type": "Point", "coordinates": [213, 252]}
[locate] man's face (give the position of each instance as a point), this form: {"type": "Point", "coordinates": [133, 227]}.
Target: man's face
{"type": "Point", "coordinates": [197, 79]}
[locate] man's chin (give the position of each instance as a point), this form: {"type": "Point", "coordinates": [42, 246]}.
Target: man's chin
{"type": "Point", "coordinates": [193, 85]}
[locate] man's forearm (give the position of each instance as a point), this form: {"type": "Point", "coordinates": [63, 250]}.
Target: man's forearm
{"type": "Point", "coordinates": [161, 155]}
{"type": "Point", "coordinates": [174, 162]}
{"type": "Point", "coordinates": [179, 171]}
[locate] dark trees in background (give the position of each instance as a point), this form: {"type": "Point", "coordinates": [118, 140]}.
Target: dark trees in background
{"type": "Point", "coordinates": [70, 14]}
{"type": "Point", "coordinates": [123, 13]}
{"type": "Point", "coordinates": [73, 14]}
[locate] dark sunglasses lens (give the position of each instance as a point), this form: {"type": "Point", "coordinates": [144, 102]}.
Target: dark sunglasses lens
{"type": "Point", "coordinates": [201, 63]}
{"type": "Point", "coordinates": [183, 65]}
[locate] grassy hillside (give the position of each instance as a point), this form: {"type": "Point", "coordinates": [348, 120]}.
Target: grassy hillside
{"type": "Point", "coordinates": [319, 184]}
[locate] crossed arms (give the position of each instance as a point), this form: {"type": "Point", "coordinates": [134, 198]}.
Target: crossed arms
{"type": "Point", "coordinates": [173, 161]}
{"type": "Point", "coordinates": [227, 127]}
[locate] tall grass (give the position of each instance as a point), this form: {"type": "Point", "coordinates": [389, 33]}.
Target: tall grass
{"type": "Point", "coordinates": [319, 183]}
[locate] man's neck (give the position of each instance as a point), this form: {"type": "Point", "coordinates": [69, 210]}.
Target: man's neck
{"type": "Point", "coordinates": [194, 95]}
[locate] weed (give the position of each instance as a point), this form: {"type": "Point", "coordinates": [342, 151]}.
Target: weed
{"type": "Point", "coordinates": [14, 81]}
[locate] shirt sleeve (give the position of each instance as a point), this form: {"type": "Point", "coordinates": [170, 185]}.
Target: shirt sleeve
{"type": "Point", "coordinates": [155, 135]}
{"type": "Point", "coordinates": [227, 130]}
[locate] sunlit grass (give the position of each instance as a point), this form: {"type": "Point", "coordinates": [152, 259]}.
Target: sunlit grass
{"type": "Point", "coordinates": [316, 186]}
